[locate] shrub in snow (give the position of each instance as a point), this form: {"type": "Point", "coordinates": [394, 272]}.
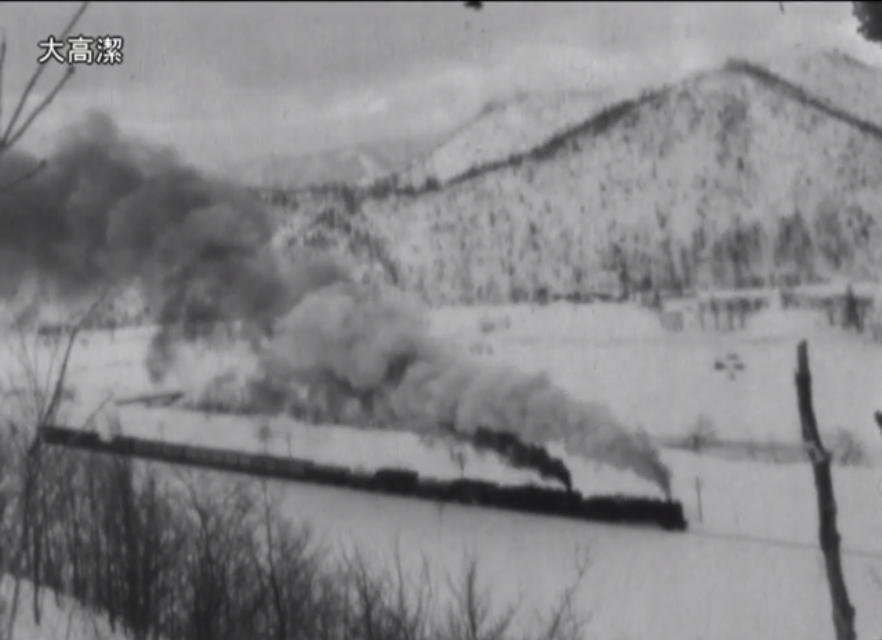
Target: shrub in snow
{"type": "Point", "coordinates": [701, 434]}
{"type": "Point", "coordinates": [264, 435]}
{"type": "Point", "coordinates": [481, 349]}
{"type": "Point", "coordinates": [489, 324]}
{"type": "Point", "coordinates": [846, 448]}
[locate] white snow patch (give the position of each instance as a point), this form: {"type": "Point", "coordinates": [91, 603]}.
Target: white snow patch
{"type": "Point", "coordinates": [61, 618]}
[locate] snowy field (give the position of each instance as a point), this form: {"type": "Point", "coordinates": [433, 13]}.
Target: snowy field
{"type": "Point", "coordinates": [749, 567]}
{"type": "Point", "coordinates": [60, 619]}
{"type": "Point", "coordinates": [665, 382]}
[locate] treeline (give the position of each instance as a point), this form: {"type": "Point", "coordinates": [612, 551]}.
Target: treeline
{"type": "Point", "coordinates": [172, 556]}
{"type": "Point", "coordinates": [792, 249]}
{"type": "Point", "coordinates": [541, 262]}
{"type": "Point", "coordinates": [836, 237]}
{"type": "Point", "coordinates": [328, 219]}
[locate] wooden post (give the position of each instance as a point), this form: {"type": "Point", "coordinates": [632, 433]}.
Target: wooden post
{"type": "Point", "coordinates": [698, 494]}
{"type": "Point", "coordinates": [843, 611]}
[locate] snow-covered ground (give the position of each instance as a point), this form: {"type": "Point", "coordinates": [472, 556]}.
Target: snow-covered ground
{"type": "Point", "coordinates": [664, 382]}
{"type": "Point", "coordinates": [749, 565]}
{"type": "Point", "coordinates": [641, 584]}
{"type": "Point", "coordinates": [60, 618]}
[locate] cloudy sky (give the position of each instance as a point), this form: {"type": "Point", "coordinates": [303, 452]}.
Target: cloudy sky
{"type": "Point", "coordinates": [225, 81]}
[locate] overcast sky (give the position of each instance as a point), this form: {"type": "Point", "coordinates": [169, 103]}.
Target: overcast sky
{"type": "Point", "coordinates": [224, 81]}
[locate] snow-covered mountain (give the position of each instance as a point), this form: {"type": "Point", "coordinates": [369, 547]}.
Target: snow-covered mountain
{"type": "Point", "coordinates": [835, 78]}
{"type": "Point", "coordinates": [727, 175]}
{"type": "Point", "coordinates": [503, 129]}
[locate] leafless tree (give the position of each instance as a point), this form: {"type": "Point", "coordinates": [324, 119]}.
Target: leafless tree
{"type": "Point", "coordinates": [20, 122]}
{"type": "Point", "coordinates": [32, 473]}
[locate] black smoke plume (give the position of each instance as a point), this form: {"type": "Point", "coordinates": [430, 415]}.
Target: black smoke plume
{"type": "Point", "coordinates": [112, 210]}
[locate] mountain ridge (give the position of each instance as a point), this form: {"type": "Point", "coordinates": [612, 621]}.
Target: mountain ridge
{"type": "Point", "coordinates": [737, 144]}
{"type": "Point", "coordinates": [607, 116]}
{"type": "Point", "coordinates": [518, 123]}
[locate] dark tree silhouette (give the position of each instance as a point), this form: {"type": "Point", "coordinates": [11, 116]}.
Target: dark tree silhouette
{"type": "Point", "coordinates": [869, 15]}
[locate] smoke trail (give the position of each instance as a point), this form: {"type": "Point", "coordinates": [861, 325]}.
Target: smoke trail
{"type": "Point", "coordinates": [342, 344]}
{"type": "Point", "coordinates": [111, 209]}
{"type": "Point", "coordinates": [64, 222]}
{"type": "Point", "coordinates": [254, 287]}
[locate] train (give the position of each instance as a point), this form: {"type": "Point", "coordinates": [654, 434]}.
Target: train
{"type": "Point", "coordinates": [406, 483]}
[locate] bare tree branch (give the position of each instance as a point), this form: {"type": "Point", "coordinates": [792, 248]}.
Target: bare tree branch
{"type": "Point", "coordinates": [8, 141]}
{"type": "Point", "coordinates": [27, 175]}
{"type": "Point", "coordinates": [51, 409]}
{"type": "Point", "coordinates": [96, 411]}
{"type": "Point", "coordinates": [35, 77]}
{"type": "Point", "coordinates": [2, 66]}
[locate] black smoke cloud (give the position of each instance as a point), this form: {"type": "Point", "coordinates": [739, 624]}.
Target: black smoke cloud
{"type": "Point", "coordinates": [110, 210]}
{"type": "Point", "coordinates": [107, 208]}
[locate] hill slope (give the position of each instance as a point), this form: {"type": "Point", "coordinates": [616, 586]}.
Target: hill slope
{"type": "Point", "coordinates": [731, 175]}
{"type": "Point", "coordinates": [507, 128]}
{"type": "Point", "coordinates": [835, 78]}
{"type": "Point", "coordinates": [501, 130]}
